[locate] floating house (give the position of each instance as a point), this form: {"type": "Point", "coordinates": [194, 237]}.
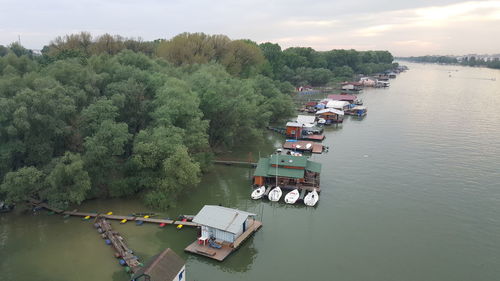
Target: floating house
{"type": "Point", "coordinates": [345, 97]}
{"type": "Point", "coordinates": [166, 266]}
{"type": "Point", "coordinates": [288, 172]}
{"type": "Point", "coordinates": [223, 230]}
{"type": "Point", "coordinates": [303, 129]}
{"type": "Point", "coordinates": [330, 115]}
{"type": "Point", "coordinates": [308, 146]}
{"type": "Point", "coordinates": [352, 86]}
{"type": "Point", "coordinates": [357, 111]}
{"type": "Point", "coordinates": [368, 82]}
{"type": "Point", "coordinates": [337, 104]}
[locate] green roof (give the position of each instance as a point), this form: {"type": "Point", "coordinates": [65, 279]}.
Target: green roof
{"type": "Point", "coordinates": [287, 173]}
{"type": "Point", "coordinates": [262, 166]}
{"type": "Point", "coordinates": [313, 167]}
{"type": "Point", "coordinates": [265, 168]}
{"type": "Point", "coordinates": [288, 160]}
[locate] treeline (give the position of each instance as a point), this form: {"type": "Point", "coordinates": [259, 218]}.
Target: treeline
{"type": "Point", "coordinates": [110, 116]}
{"type": "Point", "coordinates": [466, 61]}
{"type": "Point", "coordinates": [100, 125]}
{"type": "Point", "coordinates": [302, 66]}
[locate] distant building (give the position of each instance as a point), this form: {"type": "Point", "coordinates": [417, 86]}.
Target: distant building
{"type": "Point", "coordinates": [166, 266]}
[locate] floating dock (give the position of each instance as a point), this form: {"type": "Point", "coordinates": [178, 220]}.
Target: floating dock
{"type": "Point", "coordinates": [226, 248]}
{"type": "Point", "coordinates": [309, 146]}
{"type": "Point", "coordinates": [114, 239]}
{"type": "Point", "coordinates": [111, 217]}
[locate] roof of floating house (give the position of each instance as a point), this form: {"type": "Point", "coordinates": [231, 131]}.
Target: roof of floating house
{"type": "Point", "coordinates": [293, 124]}
{"type": "Point", "coordinates": [227, 219]}
{"type": "Point", "coordinates": [331, 110]}
{"type": "Point", "coordinates": [306, 119]}
{"type": "Point", "coordinates": [265, 166]}
{"type": "Point", "coordinates": [164, 266]}
{"type": "Point", "coordinates": [336, 104]}
{"type": "Point", "coordinates": [311, 103]}
{"type": "Point", "coordinates": [342, 97]}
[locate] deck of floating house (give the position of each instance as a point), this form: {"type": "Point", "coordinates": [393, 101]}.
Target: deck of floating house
{"type": "Point", "coordinates": [229, 227]}
{"type": "Point", "coordinates": [314, 147]}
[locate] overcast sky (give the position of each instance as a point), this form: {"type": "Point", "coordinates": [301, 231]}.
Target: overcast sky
{"type": "Point", "coordinates": [403, 27]}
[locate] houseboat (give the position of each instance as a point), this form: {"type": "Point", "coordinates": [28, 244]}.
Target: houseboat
{"type": "Point", "coordinates": [305, 131]}
{"type": "Point", "coordinates": [222, 231]}
{"type": "Point", "coordinates": [288, 172]}
{"type": "Point", "coordinates": [357, 111]}
{"type": "Point", "coordinates": [330, 115]}
{"type": "Point", "coordinates": [166, 266]}
{"type": "Point", "coordinates": [352, 86]}
{"type": "Point", "coordinates": [338, 104]}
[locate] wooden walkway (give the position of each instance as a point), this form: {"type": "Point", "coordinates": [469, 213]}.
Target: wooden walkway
{"type": "Point", "coordinates": [118, 243]}
{"type": "Point", "coordinates": [111, 217]}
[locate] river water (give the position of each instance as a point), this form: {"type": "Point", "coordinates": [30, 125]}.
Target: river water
{"type": "Point", "coordinates": [410, 192]}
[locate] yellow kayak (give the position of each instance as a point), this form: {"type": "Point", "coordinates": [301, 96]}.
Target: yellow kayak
{"type": "Point", "coordinates": [123, 221]}
{"type": "Point", "coordinates": [146, 217]}
{"type": "Point", "coordinates": [87, 217]}
{"type": "Point", "coordinates": [109, 213]}
{"type": "Point", "coordinates": [179, 226]}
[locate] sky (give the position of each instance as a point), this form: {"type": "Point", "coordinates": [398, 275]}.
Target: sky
{"type": "Point", "coordinates": [404, 27]}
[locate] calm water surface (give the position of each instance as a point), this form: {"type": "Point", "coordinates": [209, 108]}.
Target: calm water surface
{"type": "Point", "coordinates": [411, 192]}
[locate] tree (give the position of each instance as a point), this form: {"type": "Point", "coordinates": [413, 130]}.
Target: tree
{"type": "Point", "coordinates": [67, 182]}
{"type": "Point", "coordinates": [22, 185]}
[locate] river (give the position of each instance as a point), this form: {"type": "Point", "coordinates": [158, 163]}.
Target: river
{"type": "Point", "coordinates": [410, 192]}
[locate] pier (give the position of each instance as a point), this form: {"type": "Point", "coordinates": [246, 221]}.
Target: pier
{"type": "Point", "coordinates": [114, 239]}
{"type": "Point", "coordinates": [111, 217]}
{"type": "Point", "coordinates": [240, 163]}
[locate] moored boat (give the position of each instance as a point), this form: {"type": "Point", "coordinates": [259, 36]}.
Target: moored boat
{"type": "Point", "coordinates": [311, 198]}
{"type": "Point", "coordinates": [258, 192]}
{"type": "Point", "coordinates": [275, 194]}
{"type": "Point", "coordinates": [292, 196]}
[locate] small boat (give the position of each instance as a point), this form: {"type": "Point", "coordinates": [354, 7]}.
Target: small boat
{"type": "Point", "coordinates": [292, 196]}
{"type": "Point", "coordinates": [275, 194]}
{"type": "Point", "coordinates": [358, 102]}
{"type": "Point", "coordinates": [311, 198]}
{"type": "Point", "coordinates": [258, 193]}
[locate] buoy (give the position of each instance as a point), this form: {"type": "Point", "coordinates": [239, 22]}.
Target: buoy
{"type": "Point", "coordinates": [107, 241]}
{"type": "Point", "coordinates": [123, 221]}
{"type": "Point", "coordinates": [127, 269]}
{"type": "Point", "coordinates": [139, 222]}
{"type": "Point", "coordinates": [146, 217]}
{"type": "Point", "coordinates": [122, 262]}
{"type": "Point", "coordinates": [100, 230]}
{"type": "Point", "coordinates": [180, 226]}
{"type": "Point", "coordinates": [87, 217]}
{"type": "Point", "coordinates": [162, 224]}
{"type": "Point", "coordinates": [109, 213]}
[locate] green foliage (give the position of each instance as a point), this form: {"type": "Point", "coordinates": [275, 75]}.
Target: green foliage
{"type": "Point", "coordinates": [22, 184]}
{"type": "Point", "coordinates": [67, 182]}
{"type": "Point", "coordinates": [110, 116]}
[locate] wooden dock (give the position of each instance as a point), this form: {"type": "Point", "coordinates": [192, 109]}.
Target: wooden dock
{"type": "Point", "coordinates": [111, 217]}
{"type": "Point", "coordinates": [308, 146]}
{"type": "Point", "coordinates": [226, 249]}
{"type": "Point", "coordinates": [118, 242]}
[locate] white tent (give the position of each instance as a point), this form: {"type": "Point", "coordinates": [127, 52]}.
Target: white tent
{"type": "Point", "coordinates": [306, 119]}
{"type": "Point", "coordinates": [337, 104]}
{"type": "Point", "coordinates": [331, 110]}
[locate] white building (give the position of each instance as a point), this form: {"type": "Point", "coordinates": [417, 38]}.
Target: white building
{"type": "Point", "coordinates": [223, 224]}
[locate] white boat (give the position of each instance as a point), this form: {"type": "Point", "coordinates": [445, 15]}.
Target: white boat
{"type": "Point", "coordinates": [258, 193]}
{"type": "Point", "coordinates": [308, 146]}
{"type": "Point", "coordinates": [275, 194]}
{"type": "Point", "coordinates": [311, 198]}
{"type": "Point", "coordinates": [292, 196]}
